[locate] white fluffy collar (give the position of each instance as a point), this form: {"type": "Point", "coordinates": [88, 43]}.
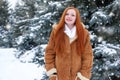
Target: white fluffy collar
{"type": "Point", "coordinates": [70, 32]}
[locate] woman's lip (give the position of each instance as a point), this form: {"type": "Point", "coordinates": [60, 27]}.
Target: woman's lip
{"type": "Point", "coordinates": [68, 20]}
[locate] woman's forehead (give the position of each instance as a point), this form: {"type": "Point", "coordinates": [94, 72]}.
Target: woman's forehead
{"type": "Point", "coordinates": [71, 10]}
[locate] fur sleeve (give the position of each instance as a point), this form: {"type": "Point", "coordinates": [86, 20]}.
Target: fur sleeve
{"type": "Point", "coordinates": [50, 53]}
{"type": "Point", "coordinates": [87, 58]}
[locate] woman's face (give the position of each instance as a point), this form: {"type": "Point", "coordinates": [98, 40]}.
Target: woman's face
{"type": "Point", "coordinates": [70, 17]}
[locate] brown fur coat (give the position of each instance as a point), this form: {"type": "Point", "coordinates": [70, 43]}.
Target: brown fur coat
{"type": "Point", "coordinates": [69, 65]}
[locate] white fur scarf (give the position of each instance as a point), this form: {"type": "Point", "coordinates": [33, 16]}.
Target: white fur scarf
{"type": "Point", "coordinates": [70, 32]}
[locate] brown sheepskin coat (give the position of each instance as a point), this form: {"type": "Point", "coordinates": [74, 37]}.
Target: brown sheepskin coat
{"type": "Point", "coordinates": [69, 63]}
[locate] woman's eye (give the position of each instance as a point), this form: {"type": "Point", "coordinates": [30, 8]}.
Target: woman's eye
{"type": "Point", "coordinates": [73, 15]}
{"type": "Point", "coordinates": [67, 14]}
{"type": "Point", "coordinates": [70, 14]}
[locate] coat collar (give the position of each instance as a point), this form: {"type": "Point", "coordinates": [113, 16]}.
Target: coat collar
{"type": "Point", "coordinates": [71, 40]}
{"type": "Point", "coordinates": [70, 32]}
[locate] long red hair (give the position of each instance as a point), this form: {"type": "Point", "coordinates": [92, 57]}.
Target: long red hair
{"type": "Point", "coordinates": [59, 35]}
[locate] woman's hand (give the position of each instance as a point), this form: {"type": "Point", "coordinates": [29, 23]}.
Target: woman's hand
{"type": "Point", "coordinates": [77, 78]}
{"type": "Point", "coordinates": [53, 77]}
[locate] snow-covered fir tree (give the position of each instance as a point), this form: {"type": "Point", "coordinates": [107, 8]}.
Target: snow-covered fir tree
{"type": "Point", "coordinates": [5, 34]}
{"type": "Point", "coordinates": [31, 23]}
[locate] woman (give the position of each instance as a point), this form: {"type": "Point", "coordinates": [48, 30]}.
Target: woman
{"type": "Point", "coordinates": [68, 55]}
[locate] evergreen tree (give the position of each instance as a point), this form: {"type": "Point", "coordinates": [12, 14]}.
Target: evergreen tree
{"type": "Point", "coordinates": [32, 29]}
{"type": "Point", "coordinates": [5, 35]}
{"type": "Point", "coordinates": [104, 23]}
{"type": "Point", "coordinates": [3, 12]}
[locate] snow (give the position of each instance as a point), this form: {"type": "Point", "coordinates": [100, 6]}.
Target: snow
{"type": "Point", "coordinates": [100, 39]}
{"type": "Point", "coordinates": [12, 69]}
{"type": "Point", "coordinates": [12, 3]}
{"type": "Point", "coordinates": [19, 40]}
{"type": "Point", "coordinates": [35, 28]}
{"type": "Point", "coordinates": [57, 4]}
{"type": "Point", "coordinates": [29, 55]}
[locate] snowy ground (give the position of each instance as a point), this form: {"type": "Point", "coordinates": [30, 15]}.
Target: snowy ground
{"type": "Point", "coordinates": [12, 69]}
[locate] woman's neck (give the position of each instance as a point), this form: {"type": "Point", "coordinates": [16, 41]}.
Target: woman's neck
{"type": "Point", "coordinates": [70, 26]}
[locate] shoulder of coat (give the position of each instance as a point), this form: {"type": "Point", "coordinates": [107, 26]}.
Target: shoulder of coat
{"type": "Point", "coordinates": [83, 24]}
{"type": "Point", "coordinates": [86, 31]}
{"type": "Point", "coordinates": [54, 26]}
